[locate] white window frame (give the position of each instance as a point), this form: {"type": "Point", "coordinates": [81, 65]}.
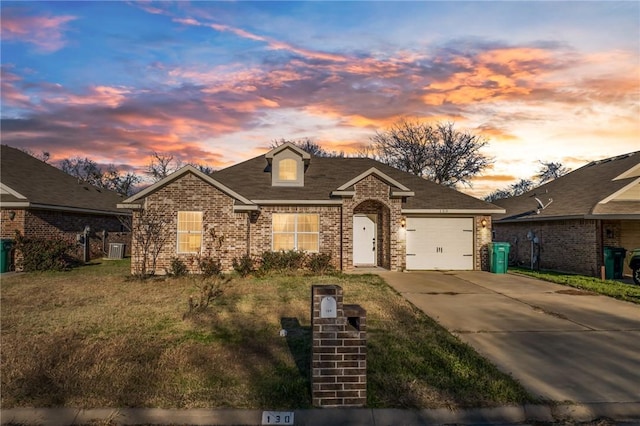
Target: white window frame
{"type": "Point", "coordinates": [295, 231]}
{"type": "Point", "coordinates": [179, 232]}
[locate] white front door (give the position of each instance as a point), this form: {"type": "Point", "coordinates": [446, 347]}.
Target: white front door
{"type": "Point", "coordinates": [364, 241]}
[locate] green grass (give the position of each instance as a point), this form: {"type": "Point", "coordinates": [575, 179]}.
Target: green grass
{"type": "Point", "coordinates": [611, 288]}
{"type": "Point", "coordinates": [95, 337]}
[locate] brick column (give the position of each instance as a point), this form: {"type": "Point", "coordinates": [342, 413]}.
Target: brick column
{"type": "Point", "coordinates": [339, 351]}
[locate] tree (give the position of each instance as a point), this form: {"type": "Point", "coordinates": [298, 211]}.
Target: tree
{"type": "Point", "coordinates": [306, 144]}
{"type": "Point", "coordinates": [550, 170]}
{"type": "Point", "coordinates": [148, 238]}
{"type": "Point", "coordinates": [92, 173]}
{"type": "Point", "coordinates": [162, 165]}
{"type": "Point", "coordinates": [437, 152]}
{"type": "Point", "coordinates": [84, 169]}
{"type": "Point", "coordinates": [44, 156]}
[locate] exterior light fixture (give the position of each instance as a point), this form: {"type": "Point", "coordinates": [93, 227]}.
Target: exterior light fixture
{"type": "Point", "coordinates": [12, 215]}
{"type": "Point", "coordinates": [403, 222]}
{"type": "Point", "coordinates": [484, 223]}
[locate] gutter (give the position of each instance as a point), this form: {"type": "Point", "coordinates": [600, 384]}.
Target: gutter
{"type": "Point", "coordinates": [28, 205]}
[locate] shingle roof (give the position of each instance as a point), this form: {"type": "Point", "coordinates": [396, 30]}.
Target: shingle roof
{"type": "Point", "coordinates": [324, 175]}
{"type": "Point", "coordinates": [45, 186]}
{"type": "Point", "coordinates": [579, 193]}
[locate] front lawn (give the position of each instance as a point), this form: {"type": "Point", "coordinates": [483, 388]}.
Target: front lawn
{"type": "Point", "coordinates": [611, 288]}
{"type": "Point", "coordinates": [95, 337]}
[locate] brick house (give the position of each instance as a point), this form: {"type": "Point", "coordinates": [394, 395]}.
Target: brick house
{"type": "Point", "coordinates": [362, 212]}
{"type": "Point", "coordinates": [569, 221]}
{"type": "Point", "coordinates": [39, 200]}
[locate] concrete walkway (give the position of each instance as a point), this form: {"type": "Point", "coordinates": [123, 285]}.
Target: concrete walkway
{"type": "Point", "coordinates": [561, 344]}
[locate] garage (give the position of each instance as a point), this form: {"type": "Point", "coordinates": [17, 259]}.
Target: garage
{"type": "Point", "coordinates": [439, 243]}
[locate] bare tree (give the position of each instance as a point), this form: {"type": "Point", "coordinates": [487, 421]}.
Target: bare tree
{"type": "Point", "coordinates": [162, 165]}
{"type": "Point", "coordinates": [308, 145]}
{"type": "Point", "coordinates": [43, 156]}
{"type": "Point", "coordinates": [207, 170]}
{"type": "Point", "coordinates": [437, 152]}
{"type": "Point", "coordinates": [92, 173]}
{"type": "Point", "coordinates": [550, 170]}
{"type": "Point", "coordinates": [84, 169]}
{"type": "Point", "coordinates": [148, 237]}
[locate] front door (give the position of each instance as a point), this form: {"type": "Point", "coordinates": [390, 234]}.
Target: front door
{"type": "Point", "coordinates": [364, 241]}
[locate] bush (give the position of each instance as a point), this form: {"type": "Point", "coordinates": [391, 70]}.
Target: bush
{"type": "Point", "coordinates": [209, 266]}
{"type": "Point", "coordinates": [282, 261]}
{"type": "Point", "coordinates": [319, 263]}
{"type": "Point", "coordinates": [178, 268]}
{"type": "Point", "coordinates": [40, 254]}
{"type": "Point", "coordinates": [243, 265]}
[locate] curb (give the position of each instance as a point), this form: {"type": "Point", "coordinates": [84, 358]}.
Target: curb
{"type": "Point", "coordinates": [622, 412]}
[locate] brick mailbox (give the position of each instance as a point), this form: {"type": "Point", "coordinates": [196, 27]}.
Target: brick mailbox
{"type": "Point", "coordinates": [339, 350]}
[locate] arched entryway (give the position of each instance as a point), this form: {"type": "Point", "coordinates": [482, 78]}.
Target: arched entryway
{"type": "Point", "coordinates": [371, 234]}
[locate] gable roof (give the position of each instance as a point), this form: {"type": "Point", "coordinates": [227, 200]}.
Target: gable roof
{"type": "Point", "coordinates": [131, 202]}
{"type": "Point", "coordinates": [325, 175]}
{"type": "Point", "coordinates": [592, 191]}
{"type": "Point", "coordinates": [27, 182]}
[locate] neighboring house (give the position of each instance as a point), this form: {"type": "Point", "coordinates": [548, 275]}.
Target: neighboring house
{"type": "Point", "coordinates": [360, 211]}
{"type": "Point", "coordinates": [569, 221]}
{"type": "Point", "coordinates": [39, 200]}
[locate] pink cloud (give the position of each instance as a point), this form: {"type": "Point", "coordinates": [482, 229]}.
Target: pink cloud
{"type": "Point", "coordinates": [45, 32]}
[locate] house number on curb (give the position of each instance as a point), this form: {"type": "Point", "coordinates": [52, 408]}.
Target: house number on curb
{"type": "Point", "coordinates": [328, 307]}
{"type": "Point", "coordinates": [277, 418]}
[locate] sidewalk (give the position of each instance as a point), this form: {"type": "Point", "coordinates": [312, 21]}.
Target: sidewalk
{"type": "Point", "coordinates": [628, 413]}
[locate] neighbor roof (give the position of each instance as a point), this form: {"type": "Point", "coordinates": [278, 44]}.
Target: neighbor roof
{"type": "Point", "coordinates": [588, 192]}
{"type": "Point", "coordinates": [30, 183]}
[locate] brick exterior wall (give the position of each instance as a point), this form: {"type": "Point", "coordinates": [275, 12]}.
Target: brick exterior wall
{"type": "Point", "coordinates": [372, 196]}
{"type": "Point", "coordinates": [482, 239]}
{"type": "Point", "coordinates": [66, 225]}
{"type": "Point", "coordinates": [190, 193]}
{"type": "Point", "coordinates": [564, 245]}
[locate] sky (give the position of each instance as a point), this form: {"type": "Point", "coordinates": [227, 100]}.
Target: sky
{"type": "Point", "coordinates": [216, 83]}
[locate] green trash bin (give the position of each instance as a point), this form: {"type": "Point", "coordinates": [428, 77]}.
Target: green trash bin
{"type": "Point", "coordinates": [614, 262]}
{"type": "Point", "coordinates": [5, 254]}
{"type": "Point", "coordinates": [499, 257]}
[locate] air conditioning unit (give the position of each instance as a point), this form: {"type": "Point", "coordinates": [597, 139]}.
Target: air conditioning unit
{"type": "Point", "coordinates": [116, 250]}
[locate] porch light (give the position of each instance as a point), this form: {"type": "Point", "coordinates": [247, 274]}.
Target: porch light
{"type": "Point", "coordinates": [403, 222]}
{"type": "Point", "coordinates": [12, 215]}
{"type": "Point", "coordinates": [484, 223]}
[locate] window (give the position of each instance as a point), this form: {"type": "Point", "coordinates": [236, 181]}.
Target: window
{"type": "Point", "coordinates": [189, 232]}
{"type": "Point", "coordinates": [288, 169]}
{"type": "Point", "coordinates": [296, 232]}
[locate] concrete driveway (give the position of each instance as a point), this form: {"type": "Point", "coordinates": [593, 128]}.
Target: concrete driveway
{"type": "Point", "coordinates": [560, 343]}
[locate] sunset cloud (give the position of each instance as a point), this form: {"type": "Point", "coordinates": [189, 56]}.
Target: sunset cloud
{"type": "Point", "coordinates": [47, 33]}
{"type": "Point", "coordinates": [218, 81]}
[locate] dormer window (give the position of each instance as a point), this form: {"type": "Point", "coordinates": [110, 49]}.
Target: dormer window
{"type": "Point", "coordinates": [288, 170]}
{"type": "Point", "coordinates": [287, 165]}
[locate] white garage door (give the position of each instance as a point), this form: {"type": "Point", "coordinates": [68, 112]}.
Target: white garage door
{"type": "Point", "coordinates": [440, 243]}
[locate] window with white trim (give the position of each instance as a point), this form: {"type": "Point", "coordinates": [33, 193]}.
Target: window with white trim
{"type": "Point", "coordinates": [296, 231]}
{"type": "Point", "coordinates": [189, 232]}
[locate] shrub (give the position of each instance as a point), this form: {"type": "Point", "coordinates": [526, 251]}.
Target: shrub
{"type": "Point", "coordinates": [319, 263]}
{"type": "Point", "coordinates": [282, 261]}
{"type": "Point", "coordinates": [243, 265]}
{"type": "Point", "coordinates": [42, 254]}
{"type": "Point", "coordinates": [178, 268]}
{"type": "Point", "coordinates": [209, 266]}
